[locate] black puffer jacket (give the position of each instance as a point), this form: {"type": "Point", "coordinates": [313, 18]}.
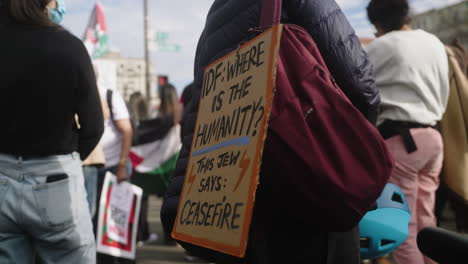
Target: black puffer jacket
{"type": "Point", "coordinates": [228, 24]}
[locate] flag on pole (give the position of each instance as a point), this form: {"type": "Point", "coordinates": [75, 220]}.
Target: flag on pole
{"type": "Point", "coordinates": [95, 37]}
{"type": "Point", "coordinates": [154, 154]}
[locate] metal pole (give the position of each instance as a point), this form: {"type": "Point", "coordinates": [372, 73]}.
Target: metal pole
{"type": "Point", "coordinates": [147, 53]}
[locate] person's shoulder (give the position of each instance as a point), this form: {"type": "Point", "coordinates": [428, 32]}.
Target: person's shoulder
{"type": "Point", "coordinates": [117, 97]}
{"type": "Point", "coordinates": [65, 42]}
{"type": "Point", "coordinates": [428, 36]}
{"type": "Point", "coordinates": [67, 37]}
{"type": "Point", "coordinates": [381, 43]}
{"type": "Point", "coordinates": [71, 47]}
{"type": "Point", "coordinates": [423, 33]}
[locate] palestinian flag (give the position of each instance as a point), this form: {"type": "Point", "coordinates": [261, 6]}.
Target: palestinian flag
{"type": "Point", "coordinates": [95, 37]}
{"type": "Point", "coordinates": [154, 154]}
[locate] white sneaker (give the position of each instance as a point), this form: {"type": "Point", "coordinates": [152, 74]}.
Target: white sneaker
{"type": "Point", "coordinates": [153, 237]}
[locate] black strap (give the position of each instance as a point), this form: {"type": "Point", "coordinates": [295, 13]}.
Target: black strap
{"type": "Point", "coordinates": [271, 13]}
{"type": "Point", "coordinates": [408, 140]}
{"type": "Point", "coordinates": [390, 128]}
{"type": "Point", "coordinates": [109, 103]}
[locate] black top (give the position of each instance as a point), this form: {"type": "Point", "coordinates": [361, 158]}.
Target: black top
{"type": "Point", "coordinates": [46, 77]}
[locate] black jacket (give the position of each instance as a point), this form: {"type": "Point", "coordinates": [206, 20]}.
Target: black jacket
{"type": "Point", "coordinates": [227, 25]}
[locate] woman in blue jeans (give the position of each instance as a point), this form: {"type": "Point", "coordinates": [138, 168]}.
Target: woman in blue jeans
{"type": "Point", "coordinates": [46, 79]}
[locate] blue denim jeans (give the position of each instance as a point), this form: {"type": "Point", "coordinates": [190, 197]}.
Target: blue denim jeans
{"type": "Point", "coordinates": [47, 218]}
{"type": "Point", "coordinates": [90, 178]}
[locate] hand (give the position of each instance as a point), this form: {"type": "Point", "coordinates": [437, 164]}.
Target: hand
{"type": "Point", "coordinates": [121, 173]}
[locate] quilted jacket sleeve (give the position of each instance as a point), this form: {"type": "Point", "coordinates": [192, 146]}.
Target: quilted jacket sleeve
{"type": "Point", "coordinates": [341, 50]}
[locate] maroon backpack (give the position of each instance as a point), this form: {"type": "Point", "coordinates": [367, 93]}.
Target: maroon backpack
{"type": "Point", "coordinates": [321, 156]}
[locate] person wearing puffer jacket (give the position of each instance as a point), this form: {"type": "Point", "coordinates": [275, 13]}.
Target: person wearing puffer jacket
{"type": "Point", "coordinates": [276, 237]}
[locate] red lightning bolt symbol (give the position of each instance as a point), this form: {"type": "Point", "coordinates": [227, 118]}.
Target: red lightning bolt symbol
{"type": "Point", "coordinates": [244, 165]}
{"type": "Point", "coordinates": [192, 178]}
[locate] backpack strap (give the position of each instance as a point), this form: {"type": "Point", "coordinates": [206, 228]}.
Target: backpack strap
{"type": "Point", "coordinates": [109, 103]}
{"type": "Point", "coordinates": [271, 13]}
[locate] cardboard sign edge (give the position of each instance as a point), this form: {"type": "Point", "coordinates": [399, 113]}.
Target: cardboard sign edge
{"type": "Point", "coordinates": [239, 251]}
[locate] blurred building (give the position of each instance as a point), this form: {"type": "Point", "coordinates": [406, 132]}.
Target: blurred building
{"type": "Point", "coordinates": [131, 83]}
{"type": "Point", "coordinates": [447, 23]}
{"type": "Point", "coordinates": [131, 76]}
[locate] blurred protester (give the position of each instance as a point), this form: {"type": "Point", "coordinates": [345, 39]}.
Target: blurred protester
{"type": "Point", "coordinates": [139, 111]}
{"type": "Point", "coordinates": [117, 138]}
{"type": "Point", "coordinates": [411, 71]}
{"type": "Point", "coordinates": [116, 142]}
{"type": "Point", "coordinates": [154, 155]}
{"type": "Point", "coordinates": [91, 165]}
{"type": "Point", "coordinates": [281, 238]}
{"type": "Point", "coordinates": [47, 78]}
{"type": "Point", "coordinates": [138, 108]}
{"type": "Point", "coordinates": [454, 133]}
{"type": "Point", "coordinates": [170, 106]}
{"type": "Point", "coordinates": [169, 100]}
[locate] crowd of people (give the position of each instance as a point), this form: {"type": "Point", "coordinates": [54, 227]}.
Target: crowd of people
{"type": "Point", "coordinates": [63, 132]}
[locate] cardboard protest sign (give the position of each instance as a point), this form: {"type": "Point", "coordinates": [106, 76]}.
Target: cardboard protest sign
{"type": "Point", "coordinates": [217, 199]}
{"type": "Point", "coordinates": [118, 217]}
{"type": "Point", "coordinates": [119, 212]}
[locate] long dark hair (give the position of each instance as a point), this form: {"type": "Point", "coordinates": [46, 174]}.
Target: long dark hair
{"type": "Point", "coordinates": [29, 12]}
{"type": "Point", "coordinates": [138, 107]}
{"type": "Point", "coordinates": [168, 97]}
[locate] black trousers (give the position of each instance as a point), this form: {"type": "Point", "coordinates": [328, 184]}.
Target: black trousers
{"type": "Point", "coordinates": [277, 237]}
{"type": "Point", "coordinates": [344, 247]}
{"type": "Point", "coordinates": [306, 248]}
{"type": "Point", "coordinates": [143, 225]}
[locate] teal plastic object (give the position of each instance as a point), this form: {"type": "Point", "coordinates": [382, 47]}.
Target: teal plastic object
{"type": "Point", "coordinates": [383, 230]}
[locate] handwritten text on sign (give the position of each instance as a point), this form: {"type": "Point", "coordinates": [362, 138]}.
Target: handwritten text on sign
{"type": "Point", "coordinates": [222, 174]}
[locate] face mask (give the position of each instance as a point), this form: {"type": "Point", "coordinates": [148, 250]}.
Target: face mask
{"type": "Point", "coordinates": [57, 14]}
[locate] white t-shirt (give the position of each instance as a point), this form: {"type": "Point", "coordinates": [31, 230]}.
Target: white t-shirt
{"type": "Point", "coordinates": [411, 71]}
{"type": "Point", "coordinates": [111, 140]}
